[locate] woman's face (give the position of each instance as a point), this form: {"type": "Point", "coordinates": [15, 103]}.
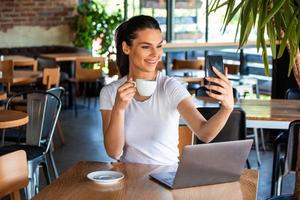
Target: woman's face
{"type": "Point", "coordinates": [145, 51]}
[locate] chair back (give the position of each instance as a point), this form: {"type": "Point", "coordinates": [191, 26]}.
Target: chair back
{"type": "Point", "coordinates": [235, 127]}
{"type": "Point", "coordinates": [86, 74]}
{"type": "Point", "coordinates": [188, 64]}
{"type": "Point", "coordinates": [43, 109]}
{"type": "Point", "coordinates": [293, 93]}
{"type": "Point", "coordinates": [51, 77]}
{"type": "Point", "coordinates": [113, 68]}
{"type": "Point", "coordinates": [292, 147]}
{"type": "Point", "coordinates": [31, 63]}
{"type": "Point", "coordinates": [292, 158]}
{"type": "Point", "coordinates": [57, 91]}
{"type": "Point", "coordinates": [6, 67]}
{"type": "Point", "coordinates": [232, 68]}
{"type": "Point", "coordinates": [13, 174]}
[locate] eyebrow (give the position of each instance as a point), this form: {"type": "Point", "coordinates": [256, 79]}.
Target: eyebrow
{"type": "Point", "coordinates": [147, 43]}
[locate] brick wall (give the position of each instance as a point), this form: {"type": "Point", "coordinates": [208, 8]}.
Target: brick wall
{"type": "Point", "coordinates": [43, 13]}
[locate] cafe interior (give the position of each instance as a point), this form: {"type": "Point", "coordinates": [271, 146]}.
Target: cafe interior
{"type": "Point", "coordinates": [57, 55]}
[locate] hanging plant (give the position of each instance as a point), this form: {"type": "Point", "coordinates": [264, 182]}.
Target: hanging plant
{"type": "Point", "coordinates": [91, 23]}
{"type": "Point", "coordinates": [279, 20]}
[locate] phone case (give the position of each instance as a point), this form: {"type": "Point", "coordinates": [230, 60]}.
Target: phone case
{"type": "Point", "coordinates": [213, 61]}
{"type": "Point", "coordinates": [217, 62]}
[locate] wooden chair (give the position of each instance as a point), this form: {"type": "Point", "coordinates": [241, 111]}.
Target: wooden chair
{"type": "Point", "coordinates": [87, 75]}
{"type": "Point", "coordinates": [32, 64]}
{"type": "Point", "coordinates": [188, 64]}
{"type": "Point", "coordinates": [113, 68]}
{"type": "Point", "coordinates": [185, 138]}
{"type": "Point", "coordinates": [13, 174]}
{"type": "Point", "coordinates": [51, 77]}
{"type": "Point", "coordinates": [232, 68]}
{"type": "Point", "coordinates": [6, 67]}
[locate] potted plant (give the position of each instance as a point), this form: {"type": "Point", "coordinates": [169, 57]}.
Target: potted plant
{"type": "Point", "coordinates": [276, 21]}
{"type": "Point", "coordinates": [93, 23]}
{"type": "Point", "coordinates": [94, 27]}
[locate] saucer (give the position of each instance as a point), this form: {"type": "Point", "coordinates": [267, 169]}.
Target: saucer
{"type": "Point", "coordinates": [105, 177]}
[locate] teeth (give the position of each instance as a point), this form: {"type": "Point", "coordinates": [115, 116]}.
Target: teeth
{"type": "Point", "coordinates": [153, 62]}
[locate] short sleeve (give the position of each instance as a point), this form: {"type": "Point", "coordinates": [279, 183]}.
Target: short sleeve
{"type": "Point", "coordinates": [175, 91]}
{"type": "Point", "coordinates": [106, 98]}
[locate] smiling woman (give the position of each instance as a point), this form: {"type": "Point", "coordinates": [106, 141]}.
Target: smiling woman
{"type": "Point", "coordinates": [142, 127]}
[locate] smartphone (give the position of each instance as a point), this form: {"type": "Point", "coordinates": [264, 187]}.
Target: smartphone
{"type": "Point", "coordinates": [213, 61]}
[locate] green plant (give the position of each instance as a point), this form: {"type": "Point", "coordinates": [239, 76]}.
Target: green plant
{"type": "Point", "coordinates": [279, 20]}
{"type": "Point", "coordinates": [92, 22]}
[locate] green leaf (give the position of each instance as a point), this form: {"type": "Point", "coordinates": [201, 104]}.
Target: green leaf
{"type": "Point", "coordinates": [275, 9]}
{"type": "Point", "coordinates": [291, 27]}
{"type": "Point", "coordinates": [279, 23]}
{"type": "Point", "coordinates": [265, 57]}
{"type": "Point", "coordinates": [246, 23]}
{"type": "Point", "coordinates": [214, 5]}
{"type": "Point", "coordinates": [261, 31]}
{"type": "Point", "coordinates": [272, 37]}
{"type": "Point", "coordinates": [254, 9]}
{"type": "Point", "coordinates": [228, 10]}
{"type": "Point", "coordinates": [230, 16]}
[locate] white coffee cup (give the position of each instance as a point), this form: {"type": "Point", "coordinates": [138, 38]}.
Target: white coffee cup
{"type": "Point", "coordinates": [145, 87]}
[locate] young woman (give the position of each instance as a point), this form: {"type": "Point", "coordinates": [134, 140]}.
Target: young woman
{"type": "Point", "coordinates": [145, 129]}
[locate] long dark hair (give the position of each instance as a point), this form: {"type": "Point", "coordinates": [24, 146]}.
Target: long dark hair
{"type": "Point", "coordinates": [127, 32]}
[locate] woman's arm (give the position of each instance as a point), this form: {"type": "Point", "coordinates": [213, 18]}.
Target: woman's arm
{"type": "Point", "coordinates": [208, 130]}
{"type": "Point", "coordinates": [113, 120]}
{"type": "Point", "coordinates": [204, 130]}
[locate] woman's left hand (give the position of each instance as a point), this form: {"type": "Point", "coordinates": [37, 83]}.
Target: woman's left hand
{"type": "Point", "coordinates": [223, 87]}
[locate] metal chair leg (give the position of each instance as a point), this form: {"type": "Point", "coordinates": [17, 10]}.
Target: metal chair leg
{"type": "Point", "coordinates": [262, 137]}
{"type": "Point", "coordinates": [53, 164]}
{"type": "Point", "coordinates": [248, 164]}
{"type": "Point", "coordinates": [257, 146]}
{"type": "Point", "coordinates": [45, 167]}
{"type": "Point", "coordinates": [60, 133]}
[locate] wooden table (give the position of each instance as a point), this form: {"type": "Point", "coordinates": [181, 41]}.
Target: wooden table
{"type": "Point", "coordinates": [21, 76]}
{"type": "Point", "coordinates": [73, 184]}
{"type": "Point", "coordinates": [275, 113]}
{"type": "Point", "coordinates": [18, 59]}
{"type": "Point", "coordinates": [63, 57]}
{"type": "Point", "coordinates": [67, 57]}
{"type": "Point", "coordinates": [12, 118]}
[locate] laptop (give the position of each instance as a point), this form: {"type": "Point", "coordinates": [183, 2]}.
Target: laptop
{"type": "Point", "coordinates": [206, 164]}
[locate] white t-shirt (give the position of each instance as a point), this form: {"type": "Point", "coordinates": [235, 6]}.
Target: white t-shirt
{"type": "Point", "coordinates": [151, 126]}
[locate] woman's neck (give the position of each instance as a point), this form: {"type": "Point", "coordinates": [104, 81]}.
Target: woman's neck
{"type": "Point", "coordinates": [142, 75]}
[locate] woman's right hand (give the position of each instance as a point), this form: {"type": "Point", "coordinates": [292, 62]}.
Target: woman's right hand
{"type": "Point", "coordinates": [125, 93]}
